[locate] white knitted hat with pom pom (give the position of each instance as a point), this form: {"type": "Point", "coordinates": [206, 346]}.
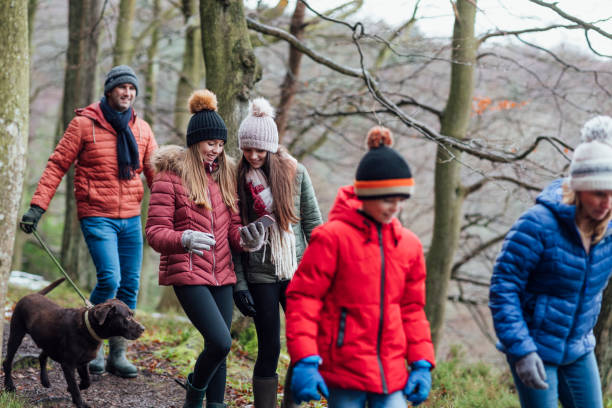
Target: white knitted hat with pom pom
{"type": "Point", "coordinates": [591, 167]}
{"type": "Point", "coordinates": [258, 130]}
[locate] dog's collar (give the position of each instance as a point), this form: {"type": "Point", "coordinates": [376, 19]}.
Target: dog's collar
{"type": "Point", "coordinates": [90, 329]}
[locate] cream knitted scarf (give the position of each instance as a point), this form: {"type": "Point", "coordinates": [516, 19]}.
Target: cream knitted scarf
{"type": "Point", "coordinates": [282, 243]}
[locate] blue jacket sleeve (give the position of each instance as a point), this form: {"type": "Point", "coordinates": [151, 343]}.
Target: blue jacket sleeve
{"type": "Point", "coordinates": [519, 257]}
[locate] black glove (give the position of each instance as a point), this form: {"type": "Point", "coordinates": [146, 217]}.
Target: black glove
{"type": "Point", "coordinates": [244, 303]}
{"type": "Point", "coordinates": [30, 219]}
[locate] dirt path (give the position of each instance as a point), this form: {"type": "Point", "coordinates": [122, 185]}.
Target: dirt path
{"type": "Point", "coordinates": [106, 391]}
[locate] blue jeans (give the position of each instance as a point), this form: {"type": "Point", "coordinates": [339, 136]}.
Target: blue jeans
{"type": "Point", "coordinates": [576, 385]}
{"type": "Point", "coordinates": [341, 398]}
{"type": "Point", "coordinates": [115, 246]}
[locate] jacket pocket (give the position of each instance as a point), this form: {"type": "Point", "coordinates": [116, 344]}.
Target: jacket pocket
{"type": "Point", "coordinates": [341, 327]}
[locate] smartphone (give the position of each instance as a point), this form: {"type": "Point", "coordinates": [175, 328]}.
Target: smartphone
{"type": "Point", "coordinates": [266, 220]}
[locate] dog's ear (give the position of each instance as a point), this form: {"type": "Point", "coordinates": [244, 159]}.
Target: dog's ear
{"type": "Point", "coordinates": [100, 312]}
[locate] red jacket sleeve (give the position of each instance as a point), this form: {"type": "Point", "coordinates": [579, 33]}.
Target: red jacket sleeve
{"type": "Point", "coordinates": [306, 294]}
{"type": "Point", "coordinates": [416, 326]}
{"type": "Point", "coordinates": [160, 220]}
{"type": "Point", "coordinates": [65, 153]}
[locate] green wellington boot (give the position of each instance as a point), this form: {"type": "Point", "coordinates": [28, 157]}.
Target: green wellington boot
{"type": "Point", "coordinates": [117, 362]}
{"type": "Point", "coordinates": [215, 405]}
{"type": "Point", "coordinates": [264, 391]}
{"type": "Point", "coordinates": [96, 366]}
{"type": "Point", "coordinates": [194, 396]}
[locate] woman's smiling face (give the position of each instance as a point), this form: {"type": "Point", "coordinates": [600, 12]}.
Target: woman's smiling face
{"type": "Point", "coordinates": [255, 157]}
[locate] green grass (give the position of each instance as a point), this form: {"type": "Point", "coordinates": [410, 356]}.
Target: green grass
{"type": "Point", "coordinates": [12, 400]}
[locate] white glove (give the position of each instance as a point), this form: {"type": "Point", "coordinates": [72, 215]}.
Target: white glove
{"type": "Point", "coordinates": [530, 369]}
{"type": "Point", "coordinates": [196, 241]}
{"type": "Point", "coordinates": [252, 236]}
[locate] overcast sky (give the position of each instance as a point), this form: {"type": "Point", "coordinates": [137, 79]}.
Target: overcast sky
{"type": "Point", "coordinates": [502, 14]}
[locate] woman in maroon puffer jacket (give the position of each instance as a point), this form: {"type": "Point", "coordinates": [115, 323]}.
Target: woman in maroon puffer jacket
{"type": "Point", "coordinates": [193, 220]}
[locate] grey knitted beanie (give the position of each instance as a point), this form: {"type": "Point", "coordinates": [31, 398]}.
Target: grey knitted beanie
{"type": "Point", "coordinates": [258, 130]}
{"type": "Point", "coordinates": [591, 167]}
{"type": "Point", "coordinates": [121, 74]}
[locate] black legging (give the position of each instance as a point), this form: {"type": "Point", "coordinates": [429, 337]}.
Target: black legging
{"type": "Point", "coordinates": [210, 310]}
{"type": "Point", "coordinates": [267, 297]}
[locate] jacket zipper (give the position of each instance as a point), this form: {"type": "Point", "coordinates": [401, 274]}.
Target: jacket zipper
{"type": "Point", "coordinates": [341, 327]}
{"type": "Point", "coordinates": [583, 286]}
{"type": "Point", "coordinates": [212, 227]}
{"type": "Point", "coordinates": [382, 308]}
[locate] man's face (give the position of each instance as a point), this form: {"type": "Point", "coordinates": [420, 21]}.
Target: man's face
{"type": "Point", "coordinates": [121, 97]}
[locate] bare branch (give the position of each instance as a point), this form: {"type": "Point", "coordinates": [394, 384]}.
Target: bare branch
{"type": "Point", "coordinates": [587, 26]}
{"type": "Point", "coordinates": [478, 185]}
{"type": "Point", "coordinates": [471, 255]}
{"type": "Point", "coordinates": [468, 146]}
{"type": "Point", "coordinates": [503, 33]}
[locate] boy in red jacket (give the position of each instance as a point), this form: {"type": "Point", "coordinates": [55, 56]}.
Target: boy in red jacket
{"type": "Point", "coordinates": [355, 315]}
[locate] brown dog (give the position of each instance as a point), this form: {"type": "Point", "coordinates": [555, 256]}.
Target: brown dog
{"type": "Point", "coordinates": [65, 336]}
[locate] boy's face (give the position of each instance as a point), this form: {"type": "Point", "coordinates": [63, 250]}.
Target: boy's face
{"type": "Point", "coordinates": [384, 209]}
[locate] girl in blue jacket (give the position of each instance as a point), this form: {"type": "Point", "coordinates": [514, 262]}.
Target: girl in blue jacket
{"type": "Point", "coordinates": [548, 280]}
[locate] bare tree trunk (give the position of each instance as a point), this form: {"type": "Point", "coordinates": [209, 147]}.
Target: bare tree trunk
{"type": "Point", "coordinates": [603, 335]}
{"type": "Point", "coordinates": [147, 270]}
{"type": "Point", "coordinates": [290, 84]}
{"type": "Point", "coordinates": [191, 75]}
{"type": "Point", "coordinates": [14, 107]}
{"type": "Point", "coordinates": [448, 191]}
{"type": "Point", "coordinates": [192, 72]}
{"type": "Point", "coordinates": [123, 41]}
{"type": "Point", "coordinates": [231, 66]}
{"type": "Point", "coordinates": [78, 92]}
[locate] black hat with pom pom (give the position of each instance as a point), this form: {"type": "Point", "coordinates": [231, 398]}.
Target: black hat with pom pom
{"type": "Point", "coordinates": [206, 123]}
{"type": "Point", "coordinates": [382, 172]}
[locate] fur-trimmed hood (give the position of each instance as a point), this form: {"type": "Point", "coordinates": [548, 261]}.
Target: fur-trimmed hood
{"type": "Point", "coordinates": [168, 158]}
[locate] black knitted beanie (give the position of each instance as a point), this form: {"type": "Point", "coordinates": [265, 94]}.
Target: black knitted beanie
{"type": "Point", "coordinates": [206, 123]}
{"type": "Point", "coordinates": [382, 172]}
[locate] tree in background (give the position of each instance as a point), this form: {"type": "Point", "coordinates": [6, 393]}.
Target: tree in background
{"type": "Point", "coordinates": [14, 116]}
{"type": "Point", "coordinates": [79, 87]}
{"type": "Point", "coordinates": [231, 66]}
{"type": "Point", "coordinates": [122, 52]}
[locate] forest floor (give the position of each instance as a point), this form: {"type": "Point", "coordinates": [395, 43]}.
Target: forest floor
{"type": "Point", "coordinates": [151, 388]}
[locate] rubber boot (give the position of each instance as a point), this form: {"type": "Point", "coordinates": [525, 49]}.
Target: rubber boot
{"type": "Point", "coordinates": [194, 396]}
{"type": "Point", "coordinates": [264, 391]}
{"type": "Point", "coordinates": [96, 366]}
{"type": "Point", "coordinates": [215, 405]}
{"type": "Point", "coordinates": [287, 401]}
{"type": "Point", "coordinates": [117, 362]}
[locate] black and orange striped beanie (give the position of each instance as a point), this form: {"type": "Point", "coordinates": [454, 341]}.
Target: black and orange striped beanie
{"type": "Point", "coordinates": [382, 172]}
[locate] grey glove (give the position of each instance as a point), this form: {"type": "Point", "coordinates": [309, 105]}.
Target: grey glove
{"type": "Point", "coordinates": [530, 369]}
{"type": "Point", "coordinates": [196, 241]}
{"type": "Point", "coordinates": [30, 219]}
{"type": "Point", "coordinates": [252, 236]}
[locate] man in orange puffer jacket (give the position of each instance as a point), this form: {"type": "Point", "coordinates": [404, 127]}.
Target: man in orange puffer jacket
{"type": "Point", "coordinates": [110, 147]}
{"type": "Point", "coordinates": [355, 307]}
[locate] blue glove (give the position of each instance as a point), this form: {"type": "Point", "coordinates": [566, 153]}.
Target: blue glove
{"type": "Point", "coordinates": [306, 382]}
{"type": "Point", "coordinates": [419, 383]}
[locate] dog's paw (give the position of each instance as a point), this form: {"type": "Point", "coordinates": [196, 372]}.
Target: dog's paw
{"type": "Point", "coordinates": [9, 387]}
{"type": "Point", "coordinates": [45, 382]}
{"type": "Point", "coordinates": [84, 385]}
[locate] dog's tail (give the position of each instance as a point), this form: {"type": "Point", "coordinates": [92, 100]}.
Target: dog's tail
{"type": "Point", "coordinates": [52, 286]}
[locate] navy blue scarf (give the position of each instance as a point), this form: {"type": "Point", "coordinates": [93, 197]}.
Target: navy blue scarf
{"type": "Point", "coordinates": [127, 149]}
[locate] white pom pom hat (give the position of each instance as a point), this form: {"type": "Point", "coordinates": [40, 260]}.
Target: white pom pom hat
{"type": "Point", "coordinates": [591, 167]}
{"type": "Point", "coordinates": [258, 130]}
